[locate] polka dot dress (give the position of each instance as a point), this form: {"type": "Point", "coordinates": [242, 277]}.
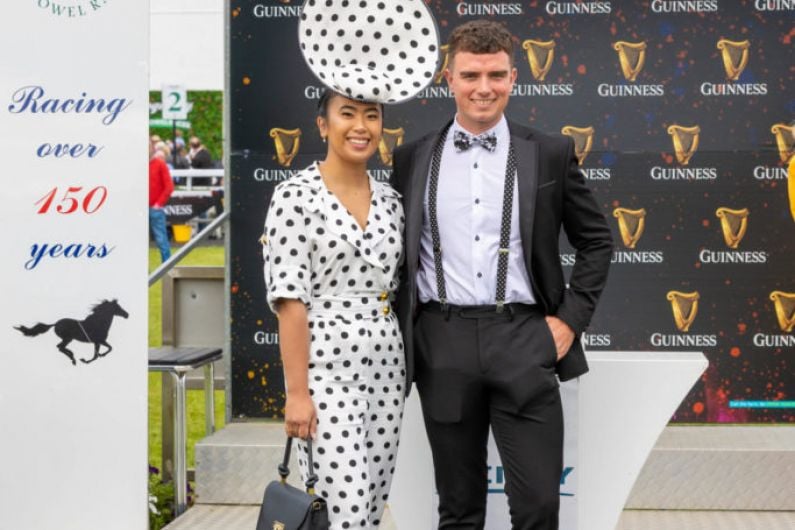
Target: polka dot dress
{"type": "Point", "coordinates": [371, 50]}
{"type": "Point", "coordinates": [315, 252]}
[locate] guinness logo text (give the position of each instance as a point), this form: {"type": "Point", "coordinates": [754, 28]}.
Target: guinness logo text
{"type": "Point", "coordinates": [774, 5]}
{"type": "Point", "coordinates": [734, 55]}
{"type": "Point", "coordinates": [283, 11]}
{"type": "Point", "coordinates": [683, 173]}
{"type": "Point", "coordinates": [273, 175]}
{"type": "Point", "coordinates": [269, 339]}
{"type": "Point", "coordinates": [770, 173]}
{"type": "Point", "coordinates": [680, 6]}
{"type": "Point", "coordinates": [465, 9]}
{"type": "Point", "coordinates": [578, 8]}
{"type": "Point", "coordinates": [631, 58]}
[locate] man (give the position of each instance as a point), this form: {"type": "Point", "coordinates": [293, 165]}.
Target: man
{"type": "Point", "coordinates": [160, 189]}
{"type": "Point", "coordinates": [486, 316]}
{"type": "Point", "coordinates": [199, 155]}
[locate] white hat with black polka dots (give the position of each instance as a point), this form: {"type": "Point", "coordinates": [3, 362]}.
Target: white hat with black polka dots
{"type": "Point", "coordinates": [384, 51]}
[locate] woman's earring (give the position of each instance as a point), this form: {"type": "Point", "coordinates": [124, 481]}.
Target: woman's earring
{"type": "Point", "coordinates": [323, 138]}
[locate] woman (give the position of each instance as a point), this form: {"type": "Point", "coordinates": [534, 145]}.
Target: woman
{"type": "Point", "coordinates": [332, 250]}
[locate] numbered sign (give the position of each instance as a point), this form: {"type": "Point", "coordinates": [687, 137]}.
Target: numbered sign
{"type": "Point", "coordinates": [175, 102]}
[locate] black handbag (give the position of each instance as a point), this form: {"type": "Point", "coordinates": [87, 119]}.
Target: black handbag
{"type": "Point", "coordinates": [285, 507]}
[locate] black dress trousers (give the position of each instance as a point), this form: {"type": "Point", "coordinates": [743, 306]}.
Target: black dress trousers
{"type": "Point", "coordinates": [477, 368]}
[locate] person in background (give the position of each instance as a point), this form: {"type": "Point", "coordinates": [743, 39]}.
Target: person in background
{"type": "Point", "coordinates": [200, 159]}
{"type": "Point", "coordinates": [199, 155]}
{"type": "Point", "coordinates": [160, 189]}
{"type": "Point", "coordinates": [182, 161]}
{"type": "Point", "coordinates": [163, 152]}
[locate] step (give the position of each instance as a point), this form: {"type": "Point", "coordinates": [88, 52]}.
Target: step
{"type": "Point", "coordinates": [226, 517]}
{"type": "Point", "coordinates": [234, 465]}
{"type": "Point", "coordinates": [719, 468]}
{"type": "Point", "coordinates": [690, 468]}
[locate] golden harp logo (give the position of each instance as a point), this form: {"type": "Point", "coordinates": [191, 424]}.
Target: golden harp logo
{"type": "Point", "coordinates": [540, 55]}
{"type": "Point", "coordinates": [785, 309]}
{"type": "Point", "coordinates": [630, 224]}
{"type": "Point", "coordinates": [734, 224]}
{"type": "Point", "coordinates": [445, 59]}
{"type": "Point", "coordinates": [390, 139]}
{"type": "Point", "coordinates": [735, 57]}
{"type": "Point", "coordinates": [685, 140]}
{"type": "Point", "coordinates": [785, 140]}
{"type": "Point", "coordinates": [287, 142]}
{"type": "Point", "coordinates": [278, 525]}
{"type": "Point", "coordinates": [631, 56]}
{"type": "Point", "coordinates": [583, 140]}
{"type": "Point", "coordinates": [684, 307]}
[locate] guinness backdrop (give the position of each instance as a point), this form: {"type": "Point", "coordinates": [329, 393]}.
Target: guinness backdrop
{"type": "Point", "coordinates": [681, 112]}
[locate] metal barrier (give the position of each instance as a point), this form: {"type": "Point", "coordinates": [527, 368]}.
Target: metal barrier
{"type": "Point", "coordinates": [180, 471]}
{"type": "Point", "coordinates": [190, 174]}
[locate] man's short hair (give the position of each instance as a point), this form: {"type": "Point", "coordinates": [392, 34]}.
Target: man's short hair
{"type": "Point", "coordinates": [480, 36]}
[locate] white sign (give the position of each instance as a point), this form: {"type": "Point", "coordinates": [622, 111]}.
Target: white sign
{"type": "Point", "coordinates": [175, 102]}
{"type": "Point", "coordinates": [73, 320]}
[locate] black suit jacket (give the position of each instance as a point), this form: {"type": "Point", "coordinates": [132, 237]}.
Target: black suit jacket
{"type": "Point", "coordinates": [552, 195]}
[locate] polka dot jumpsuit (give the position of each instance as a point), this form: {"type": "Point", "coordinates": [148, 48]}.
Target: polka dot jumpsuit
{"type": "Point", "coordinates": [316, 252]}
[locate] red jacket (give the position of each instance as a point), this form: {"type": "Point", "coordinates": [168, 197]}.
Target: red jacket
{"type": "Point", "coordinates": [160, 183]}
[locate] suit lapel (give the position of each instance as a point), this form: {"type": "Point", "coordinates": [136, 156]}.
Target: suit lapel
{"type": "Point", "coordinates": [527, 181]}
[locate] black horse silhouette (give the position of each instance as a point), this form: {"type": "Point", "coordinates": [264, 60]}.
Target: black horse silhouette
{"type": "Point", "coordinates": [93, 329]}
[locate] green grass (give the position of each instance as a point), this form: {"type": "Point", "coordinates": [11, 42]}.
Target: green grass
{"type": "Point", "coordinates": [208, 256]}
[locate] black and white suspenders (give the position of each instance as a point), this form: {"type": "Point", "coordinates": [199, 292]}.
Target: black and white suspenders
{"type": "Point", "coordinates": [505, 225]}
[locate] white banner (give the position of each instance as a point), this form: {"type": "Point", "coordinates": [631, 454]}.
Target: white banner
{"type": "Point", "coordinates": [73, 330]}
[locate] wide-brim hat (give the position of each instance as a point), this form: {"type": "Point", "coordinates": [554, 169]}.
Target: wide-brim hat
{"type": "Point", "coordinates": [383, 51]}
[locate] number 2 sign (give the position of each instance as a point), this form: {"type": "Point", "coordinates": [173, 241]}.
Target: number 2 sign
{"type": "Point", "coordinates": [175, 102]}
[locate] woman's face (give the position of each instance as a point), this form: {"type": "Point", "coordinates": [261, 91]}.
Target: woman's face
{"type": "Point", "coordinates": [352, 129]}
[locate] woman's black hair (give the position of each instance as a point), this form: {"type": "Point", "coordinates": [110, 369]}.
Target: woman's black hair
{"type": "Point", "coordinates": [328, 95]}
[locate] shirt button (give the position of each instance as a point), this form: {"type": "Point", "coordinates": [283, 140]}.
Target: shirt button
{"type": "Point", "coordinates": [480, 275]}
{"type": "Point", "coordinates": [477, 238]}
{"type": "Point", "coordinates": [477, 201]}
{"type": "Point", "coordinates": [476, 165]}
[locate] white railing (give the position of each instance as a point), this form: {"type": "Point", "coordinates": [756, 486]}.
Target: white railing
{"type": "Point", "coordinates": [190, 174]}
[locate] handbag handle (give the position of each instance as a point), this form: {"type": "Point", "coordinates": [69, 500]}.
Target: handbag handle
{"type": "Point", "coordinates": [284, 469]}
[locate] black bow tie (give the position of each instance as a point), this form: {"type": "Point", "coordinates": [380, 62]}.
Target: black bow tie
{"type": "Point", "coordinates": [463, 141]}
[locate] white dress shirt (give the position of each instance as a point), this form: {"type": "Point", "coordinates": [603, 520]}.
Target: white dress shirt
{"type": "Point", "coordinates": [469, 212]}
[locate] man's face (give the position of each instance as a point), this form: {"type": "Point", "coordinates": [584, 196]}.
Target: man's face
{"type": "Point", "coordinates": [481, 84]}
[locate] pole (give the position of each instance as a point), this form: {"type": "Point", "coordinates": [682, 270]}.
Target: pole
{"type": "Point", "coordinates": [174, 141]}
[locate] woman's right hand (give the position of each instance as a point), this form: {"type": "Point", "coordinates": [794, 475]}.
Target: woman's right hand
{"type": "Point", "coordinates": [300, 418]}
